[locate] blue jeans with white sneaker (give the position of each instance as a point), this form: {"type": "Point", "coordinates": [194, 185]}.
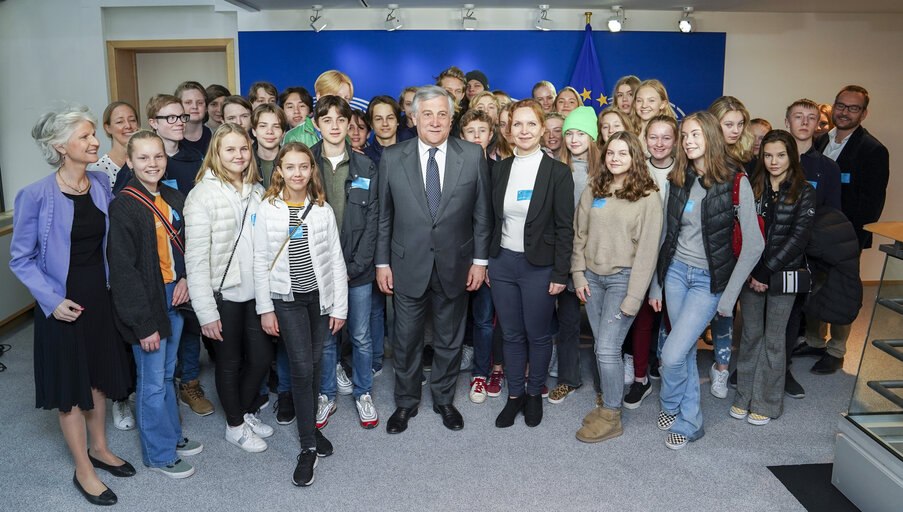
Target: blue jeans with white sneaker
{"type": "Point", "coordinates": [359, 300]}
{"type": "Point", "coordinates": [155, 397]}
{"type": "Point", "coordinates": [691, 306]}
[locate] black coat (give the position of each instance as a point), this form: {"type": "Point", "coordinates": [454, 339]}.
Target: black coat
{"type": "Point", "coordinates": [833, 254]}
{"type": "Point", "coordinates": [866, 162]}
{"type": "Point", "coordinates": [136, 281]}
{"type": "Point", "coordinates": [787, 232]}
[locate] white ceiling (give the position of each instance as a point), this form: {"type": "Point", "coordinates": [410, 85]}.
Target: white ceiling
{"type": "Point", "coordinates": [824, 6]}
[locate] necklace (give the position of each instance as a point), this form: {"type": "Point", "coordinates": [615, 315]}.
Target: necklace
{"type": "Point", "coordinates": [77, 190]}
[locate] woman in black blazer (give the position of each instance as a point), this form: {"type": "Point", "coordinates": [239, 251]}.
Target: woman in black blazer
{"type": "Point", "coordinates": [532, 238]}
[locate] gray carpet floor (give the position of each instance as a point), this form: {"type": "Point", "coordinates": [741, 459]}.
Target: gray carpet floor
{"type": "Point", "coordinates": [430, 468]}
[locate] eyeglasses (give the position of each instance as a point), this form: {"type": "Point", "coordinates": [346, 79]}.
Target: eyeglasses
{"type": "Point", "coordinates": [173, 118]}
{"type": "Point", "coordinates": [853, 109]}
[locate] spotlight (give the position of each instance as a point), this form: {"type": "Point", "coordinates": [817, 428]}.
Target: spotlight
{"type": "Point", "coordinates": [469, 21]}
{"type": "Point", "coordinates": [687, 22]}
{"type": "Point", "coordinates": [393, 22]}
{"type": "Point", "coordinates": [317, 22]}
{"type": "Point", "coordinates": [543, 22]}
{"type": "Point", "coordinates": [616, 22]}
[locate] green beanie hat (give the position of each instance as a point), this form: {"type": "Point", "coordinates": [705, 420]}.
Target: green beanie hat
{"type": "Point", "coordinates": [583, 119]}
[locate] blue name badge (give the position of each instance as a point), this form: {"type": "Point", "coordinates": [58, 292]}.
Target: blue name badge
{"type": "Point", "coordinates": [253, 219]}
{"type": "Point", "coordinates": [814, 184]}
{"type": "Point", "coordinates": [599, 203]}
{"type": "Point", "coordinates": [297, 234]}
{"type": "Point", "coordinates": [362, 183]}
{"type": "Point", "coordinates": [170, 183]}
{"type": "Point", "coordinates": [175, 215]}
{"type": "Point", "coordinates": [524, 195]}
{"type": "Point", "coordinates": [689, 206]}
{"type": "Point", "coordinates": [844, 177]}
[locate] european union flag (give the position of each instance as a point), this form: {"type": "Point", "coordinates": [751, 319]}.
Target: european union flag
{"type": "Point", "coordinates": [587, 77]}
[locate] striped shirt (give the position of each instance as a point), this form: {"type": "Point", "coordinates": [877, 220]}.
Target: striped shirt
{"type": "Point", "coordinates": [301, 266]}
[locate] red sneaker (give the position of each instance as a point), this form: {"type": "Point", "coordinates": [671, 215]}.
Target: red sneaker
{"type": "Point", "coordinates": [494, 386]}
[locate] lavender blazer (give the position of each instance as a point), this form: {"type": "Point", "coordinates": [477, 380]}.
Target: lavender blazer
{"type": "Point", "coordinates": [42, 225]}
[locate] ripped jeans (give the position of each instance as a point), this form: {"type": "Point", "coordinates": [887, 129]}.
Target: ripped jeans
{"type": "Point", "coordinates": [610, 326]}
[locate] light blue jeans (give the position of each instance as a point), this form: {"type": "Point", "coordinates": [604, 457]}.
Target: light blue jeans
{"type": "Point", "coordinates": [691, 306]}
{"type": "Point", "coordinates": [610, 326]}
{"type": "Point", "coordinates": [359, 300]}
{"type": "Point", "coordinates": [155, 396]}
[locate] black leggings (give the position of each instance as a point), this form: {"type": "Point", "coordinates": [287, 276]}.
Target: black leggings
{"type": "Point", "coordinates": [242, 359]}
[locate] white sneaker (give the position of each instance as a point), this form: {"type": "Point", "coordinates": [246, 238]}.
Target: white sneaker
{"type": "Point", "coordinates": [325, 408]}
{"type": "Point", "coordinates": [244, 437]}
{"type": "Point", "coordinates": [260, 428]}
{"type": "Point", "coordinates": [628, 370]}
{"type": "Point", "coordinates": [366, 411]}
{"type": "Point", "coordinates": [478, 392]}
{"type": "Point", "coordinates": [466, 357]}
{"type": "Point", "coordinates": [346, 387]}
{"type": "Point", "coordinates": [719, 382]}
{"type": "Point", "coordinates": [553, 362]}
{"type": "Point", "coordinates": [122, 416]}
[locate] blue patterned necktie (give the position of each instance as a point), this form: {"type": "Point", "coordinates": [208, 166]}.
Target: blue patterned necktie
{"type": "Point", "coordinates": [433, 192]}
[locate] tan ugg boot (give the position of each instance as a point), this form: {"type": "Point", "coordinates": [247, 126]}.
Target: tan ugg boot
{"type": "Point", "coordinates": [605, 425]}
{"type": "Point", "coordinates": [592, 415]}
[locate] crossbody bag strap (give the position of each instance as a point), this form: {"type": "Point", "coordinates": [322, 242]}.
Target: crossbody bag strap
{"type": "Point", "coordinates": [228, 263]}
{"type": "Point", "coordinates": [170, 230]}
{"type": "Point", "coordinates": [292, 232]}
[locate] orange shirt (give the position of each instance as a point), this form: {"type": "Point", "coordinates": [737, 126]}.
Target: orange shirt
{"type": "Point", "coordinates": [164, 247]}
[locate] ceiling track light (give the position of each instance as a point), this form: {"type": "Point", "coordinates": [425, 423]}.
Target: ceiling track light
{"type": "Point", "coordinates": [317, 22]}
{"type": "Point", "coordinates": [543, 22]}
{"type": "Point", "coordinates": [687, 22]}
{"type": "Point", "coordinates": [468, 20]}
{"type": "Point", "coordinates": [616, 22]}
{"type": "Point", "coordinates": [393, 22]}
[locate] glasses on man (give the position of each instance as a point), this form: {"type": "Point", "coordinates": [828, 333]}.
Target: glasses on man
{"type": "Point", "coordinates": [853, 109]}
{"type": "Point", "coordinates": [171, 119]}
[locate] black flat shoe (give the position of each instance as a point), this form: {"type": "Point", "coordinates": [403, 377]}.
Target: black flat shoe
{"type": "Point", "coordinates": [398, 422]}
{"type": "Point", "coordinates": [124, 470]}
{"type": "Point", "coordinates": [105, 498]}
{"type": "Point", "coordinates": [513, 406]}
{"type": "Point", "coordinates": [533, 410]}
{"type": "Point", "coordinates": [451, 418]}
{"type": "Point", "coordinates": [806, 350]}
{"type": "Point", "coordinates": [827, 365]}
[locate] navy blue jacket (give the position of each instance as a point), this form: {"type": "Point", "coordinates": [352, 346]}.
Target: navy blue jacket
{"type": "Point", "coordinates": [182, 167]}
{"type": "Point", "coordinates": [824, 174]}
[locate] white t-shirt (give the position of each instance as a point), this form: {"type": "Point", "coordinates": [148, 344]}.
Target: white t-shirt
{"type": "Point", "coordinates": [517, 199]}
{"type": "Point", "coordinates": [660, 176]}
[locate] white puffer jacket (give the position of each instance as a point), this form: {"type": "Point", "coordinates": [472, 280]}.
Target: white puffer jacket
{"type": "Point", "coordinates": [210, 229]}
{"type": "Point", "coordinates": [271, 228]}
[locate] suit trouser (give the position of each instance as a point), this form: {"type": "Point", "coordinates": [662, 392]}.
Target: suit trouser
{"type": "Point", "coordinates": [449, 316]}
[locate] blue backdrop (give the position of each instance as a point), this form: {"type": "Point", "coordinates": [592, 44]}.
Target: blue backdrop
{"type": "Point", "coordinates": [379, 62]}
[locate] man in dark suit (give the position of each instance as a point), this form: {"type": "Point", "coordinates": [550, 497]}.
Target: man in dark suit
{"type": "Point", "coordinates": [864, 171]}
{"type": "Point", "coordinates": [432, 247]}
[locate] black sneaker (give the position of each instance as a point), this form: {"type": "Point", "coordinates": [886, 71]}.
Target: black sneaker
{"type": "Point", "coordinates": [792, 388]}
{"type": "Point", "coordinates": [304, 471]}
{"type": "Point", "coordinates": [324, 447]}
{"type": "Point", "coordinates": [285, 408]}
{"type": "Point", "coordinates": [732, 380]}
{"type": "Point", "coordinates": [637, 392]}
{"type": "Point", "coordinates": [653, 372]}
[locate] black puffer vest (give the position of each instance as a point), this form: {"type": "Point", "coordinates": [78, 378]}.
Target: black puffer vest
{"type": "Point", "coordinates": [717, 229]}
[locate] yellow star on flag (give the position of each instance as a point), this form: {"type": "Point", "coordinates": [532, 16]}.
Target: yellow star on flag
{"type": "Point", "coordinates": [586, 94]}
{"type": "Point", "coordinates": [602, 100]}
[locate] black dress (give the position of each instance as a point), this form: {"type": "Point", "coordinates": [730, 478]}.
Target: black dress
{"type": "Point", "coordinates": [70, 358]}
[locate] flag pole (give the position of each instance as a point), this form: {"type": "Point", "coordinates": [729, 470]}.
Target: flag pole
{"type": "Point", "coordinates": [588, 16]}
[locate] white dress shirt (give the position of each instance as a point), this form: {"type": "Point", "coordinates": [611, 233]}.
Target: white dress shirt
{"type": "Point", "coordinates": [833, 149]}
{"type": "Point", "coordinates": [424, 150]}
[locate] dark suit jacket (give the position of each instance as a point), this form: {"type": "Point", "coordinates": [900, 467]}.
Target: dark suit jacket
{"type": "Point", "coordinates": [409, 241]}
{"type": "Point", "coordinates": [549, 228]}
{"type": "Point", "coordinates": [867, 162]}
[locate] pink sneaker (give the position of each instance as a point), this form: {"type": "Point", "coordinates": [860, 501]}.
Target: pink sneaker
{"type": "Point", "coordinates": [494, 386]}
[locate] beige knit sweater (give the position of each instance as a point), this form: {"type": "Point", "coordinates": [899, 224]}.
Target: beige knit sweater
{"type": "Point", "coordinates": [611, 234]}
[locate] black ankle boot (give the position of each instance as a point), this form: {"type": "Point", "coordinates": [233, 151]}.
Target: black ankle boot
{"type": "Point", "coordinates": [513, 406]}
{"type": "Point", "coordinates": [533, 410]}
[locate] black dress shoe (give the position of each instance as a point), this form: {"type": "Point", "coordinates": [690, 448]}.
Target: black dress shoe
{"type": "Point", "coordinates": [398, 422]}
{"type": "Point", "coordinates": [105, 498]}
{"type": "Point", "coordinates": [123, 470]}
{"type": "Point", "coordinates": [807, 350]}
{"type": "Point", "coordinates": [827, 365]}
{"type": "Point", "coordinates": [533, 410]}
{"type": "Point", "coordinates": [513, 406]}
{"type": "Point", "coordinates": [451, 418]}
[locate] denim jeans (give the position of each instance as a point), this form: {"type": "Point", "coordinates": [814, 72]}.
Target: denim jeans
{"type": "Point", "coordinates": [304, 330]}
{"type": "Point", "coordinates": [155, 397]}
{"type": "Point", "coordinates": [189, 355]}
{"type": "Point", "coordinates": [359, 299]}
{"type": "Point", "coordinates": [610, 326]}
{"type": "Point", "coordinates": [722, 337]}
{"type": "Point", "coordinates": [377, 325]}
{"type": "Point", "coordinates": [691, 306]}
{"type": "Point", "coordinates": [483, 312]}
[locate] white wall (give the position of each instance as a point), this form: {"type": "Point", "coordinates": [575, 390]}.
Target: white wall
{"type": "Point", "coordinates": [771, 59]}
{"type": "Point", "coordinates": [163, 72]}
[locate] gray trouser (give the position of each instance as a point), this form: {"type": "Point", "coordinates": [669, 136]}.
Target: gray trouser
{"type": "Point", "coordinates": [762, 360]}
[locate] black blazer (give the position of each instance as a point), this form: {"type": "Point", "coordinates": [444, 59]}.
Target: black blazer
{"type": "Point", "coordinates": [549, 228]}
{"type": "Point", "coordinates": [862, 198]}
